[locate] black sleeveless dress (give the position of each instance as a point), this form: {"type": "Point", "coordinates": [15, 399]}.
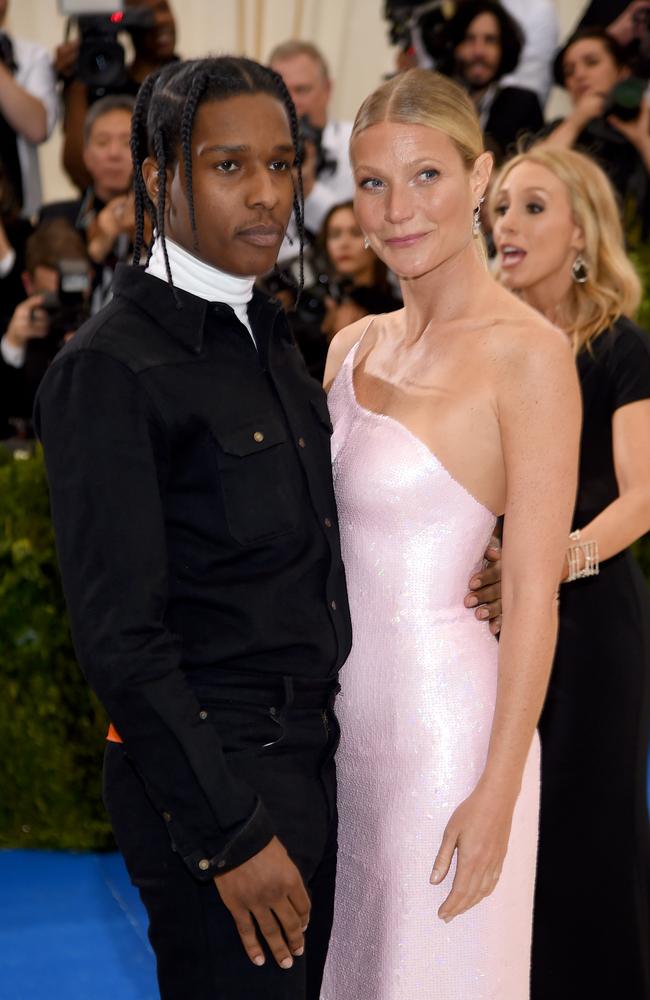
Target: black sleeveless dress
{"type": "Point", "coordinates": [591, 937]}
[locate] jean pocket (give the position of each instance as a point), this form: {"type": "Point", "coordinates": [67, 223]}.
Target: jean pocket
{"type": "Point", "coordinates": [246, 730]}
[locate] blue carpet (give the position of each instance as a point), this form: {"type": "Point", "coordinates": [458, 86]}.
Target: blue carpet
{"type": "Point", "coordinates": [71, 927]}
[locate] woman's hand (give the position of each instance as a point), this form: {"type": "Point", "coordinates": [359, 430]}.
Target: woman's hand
{"type": "Point", "coordinates": [586, 108]}
{"type": "Point", "coordinates": [478, 831]}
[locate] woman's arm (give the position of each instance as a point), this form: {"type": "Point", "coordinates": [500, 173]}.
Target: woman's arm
{"type": "Point", "coordinates": [628, 517]}
{"type": "Point", "coordinates": [538, 401]}
{"type": "Point", "coordinates": [565, 135]}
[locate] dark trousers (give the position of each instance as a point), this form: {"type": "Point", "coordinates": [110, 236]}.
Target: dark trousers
{"type": "Point", "coordinates": [284, 748]}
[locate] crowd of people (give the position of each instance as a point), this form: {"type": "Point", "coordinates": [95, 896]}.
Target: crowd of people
{"type": "Point", "coordinates": [504, 55]}
{"type": "Point", "coordinates": [454, 144]}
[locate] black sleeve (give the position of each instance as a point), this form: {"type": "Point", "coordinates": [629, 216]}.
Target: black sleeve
{"type": "Point", "coordinates": [106, 455]}
{"type": "Point", "coordinates": [628, 364]}
{"type": "Point", "coordinates": [13, 396]}
{"type": "Point", "coordinates": [601, 13]}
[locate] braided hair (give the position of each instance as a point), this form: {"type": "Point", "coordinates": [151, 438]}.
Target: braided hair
{"type": "Point", "coordinates": [162, 124]}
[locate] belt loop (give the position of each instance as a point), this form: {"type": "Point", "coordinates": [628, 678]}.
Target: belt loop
{"type": "Point", "coordinates": [288, 691]}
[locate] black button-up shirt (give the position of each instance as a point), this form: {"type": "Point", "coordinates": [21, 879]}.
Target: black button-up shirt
{"type": "Point", "coordinates": [196, 529]}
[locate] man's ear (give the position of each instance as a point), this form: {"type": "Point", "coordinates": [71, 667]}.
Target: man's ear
{"type": "Point", "coordinates": [28, 284]}
{"type": "Point", "coordinates": [150, 177]}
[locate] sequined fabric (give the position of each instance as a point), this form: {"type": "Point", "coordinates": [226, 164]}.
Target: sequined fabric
{"type": "Point", "coordinates": [416, 706]}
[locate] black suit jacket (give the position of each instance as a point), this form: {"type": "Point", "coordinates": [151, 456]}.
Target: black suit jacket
{"type": "Point", "coordinates": [515, 112]}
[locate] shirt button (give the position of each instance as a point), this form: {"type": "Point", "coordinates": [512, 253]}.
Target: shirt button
{"type": "Point", "coordinates": [203, 715]}
{"type": "Point", "coordinates": [327, 522]}
{"type": "Point", "coordinates": [301, 442]}
{"type": "Point", "coordinates": [258, 436]}
{"type": "Point", "coordinates": [167, 817]}
{"type": "Point", "coordinates": [333, 605]}
{"type": "Point", "coordinates": [204, 864]}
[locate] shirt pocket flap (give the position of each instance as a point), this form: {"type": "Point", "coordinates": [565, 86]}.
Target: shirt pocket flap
{"type": "Point", "coordinates": [252, 438]}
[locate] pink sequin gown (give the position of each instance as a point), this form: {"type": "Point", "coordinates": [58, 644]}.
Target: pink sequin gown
{"type": "Point", "coordinates": [416, 707]}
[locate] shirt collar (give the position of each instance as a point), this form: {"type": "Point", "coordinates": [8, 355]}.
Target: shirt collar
{"type": "Point", "coordinates": [179, 313]}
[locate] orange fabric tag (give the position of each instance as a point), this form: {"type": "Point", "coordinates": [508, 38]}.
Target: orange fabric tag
{"type": "Point", "coordinates": [112, 735]}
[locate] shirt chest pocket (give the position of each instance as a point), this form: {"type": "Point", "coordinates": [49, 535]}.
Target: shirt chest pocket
{"type": "Point", "coordinates": [258, 479]}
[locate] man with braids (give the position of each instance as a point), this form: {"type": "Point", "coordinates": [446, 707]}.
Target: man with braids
{"type": "Point", "coordinates": [189, 465]}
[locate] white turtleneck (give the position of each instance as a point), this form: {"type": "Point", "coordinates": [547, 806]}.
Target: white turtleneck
{"type": "Point", "coordinates": [203, 280]}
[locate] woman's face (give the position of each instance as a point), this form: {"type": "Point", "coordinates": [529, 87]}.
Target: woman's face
{"type": "Point", "coordinates": [588, 68]}
{"type": "Point", "coordinates": [414, 196]}
{"type": "Point", "coordinates": [534, 230]}
{"type": "Point", "coordinates": [344, 244]}
{"type": "Point", "coordinates": [242, 157]}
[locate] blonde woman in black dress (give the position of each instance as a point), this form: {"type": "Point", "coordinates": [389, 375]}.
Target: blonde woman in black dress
{"type": "Point", "coordinates": [560, 245]}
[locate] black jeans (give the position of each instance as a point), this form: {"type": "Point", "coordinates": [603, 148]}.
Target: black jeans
{"type": "Point", "coordinates": [282, 742]}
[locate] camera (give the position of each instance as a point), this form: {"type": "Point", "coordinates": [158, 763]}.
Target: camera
{"type": "Point", "coordinates": [429, 17]}
{"type": "Point", "coordinates": [624, 99]}
{"type": "Point", "coordinates": [101, 57]}
{"type": "Point", "coordinates": [68, 308]}
{"type": "Point", "coordinates": [310, 133]}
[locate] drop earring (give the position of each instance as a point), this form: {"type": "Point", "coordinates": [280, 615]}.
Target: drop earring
{"type": "Point", "coordinates": [366, 243]}
{"type": "Point", "coordinates": [579, 270]}
{"type": "Point", "coordinates": [476, 220]}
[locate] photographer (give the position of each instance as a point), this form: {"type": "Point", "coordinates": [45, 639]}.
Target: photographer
{"type": "Point", "coordinates": [484, 43]}
{"type": "Point", "coordinates": [104, 215]}
{"type": "Point", "coordinates": [327, 176]}
{"type": "Point", "coordinates": [28, 110]}
{"type": "Point", "coordinates": [14, 233]}
{"type": "Point", "coordinates": [351, 282]}
{"type": "Point", "coordinates": [42, 322]}
{"type": "Point", "coordinates": [593, 69]}
{"type": "Point", "coordinates": [153, 47]}
{"type": "Point", "coordinates": [628, 23]}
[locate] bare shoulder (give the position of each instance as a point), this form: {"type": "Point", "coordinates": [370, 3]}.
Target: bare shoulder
{"type": "Point", "coordinates": [525, 341]}
{"type": "Point", "coordinates": [341, 345]}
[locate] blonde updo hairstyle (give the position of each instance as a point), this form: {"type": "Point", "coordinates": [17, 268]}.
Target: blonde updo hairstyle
{"type": "Point", "coordinates": [612, 288]}
{"type": "Point", "coordinates": [422, 97]}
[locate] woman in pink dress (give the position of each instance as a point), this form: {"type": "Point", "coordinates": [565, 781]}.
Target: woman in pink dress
{"type": "Point", "coordinates": [443, 420]}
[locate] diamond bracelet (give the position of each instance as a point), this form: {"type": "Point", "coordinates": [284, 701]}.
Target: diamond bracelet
{"type": "Point", "coordinates": [589, 550]}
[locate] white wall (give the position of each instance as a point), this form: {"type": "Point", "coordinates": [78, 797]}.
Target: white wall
{"type": "Point", "coordinates": [351, 33]}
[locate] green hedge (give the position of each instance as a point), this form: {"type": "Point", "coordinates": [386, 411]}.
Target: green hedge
{"type": "Point", "coordinates": [51, 727]}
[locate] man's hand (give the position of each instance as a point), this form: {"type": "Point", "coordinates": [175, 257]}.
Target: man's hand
{"type": "Point", "coordinates": [626, 27]}
{"type": "Point", "coordinates": [268, 890]}
{"type": "Point", "coordinates": [27, 323]}
{"type": "Point", "coordinates": [65, 59]}
{"type": "Point", "coordinates": [485, 589]}
{"type": "Point", "coordinates": [117, 217]}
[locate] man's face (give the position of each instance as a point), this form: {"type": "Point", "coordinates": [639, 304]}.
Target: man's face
{"type": "Point", "coordinates": [309, 89]}
{"type": "Point", "coordinates": [479, 54]}
{"type": "Point", "coordinates": [158, 42]}
{"type": "Point", "coordinates": [242, 156]}
{"type": "Point", "coordinates": [107, 155]}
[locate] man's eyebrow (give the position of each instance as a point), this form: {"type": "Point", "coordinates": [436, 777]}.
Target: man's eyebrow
{"type": "Point", "coordinates": [280, 148]}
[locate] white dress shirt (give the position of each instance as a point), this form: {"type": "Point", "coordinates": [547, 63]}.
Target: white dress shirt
{"type": "Point", "coordinates": [539, 22]}
{"type": "Point", "coordinates": [36, 75]}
